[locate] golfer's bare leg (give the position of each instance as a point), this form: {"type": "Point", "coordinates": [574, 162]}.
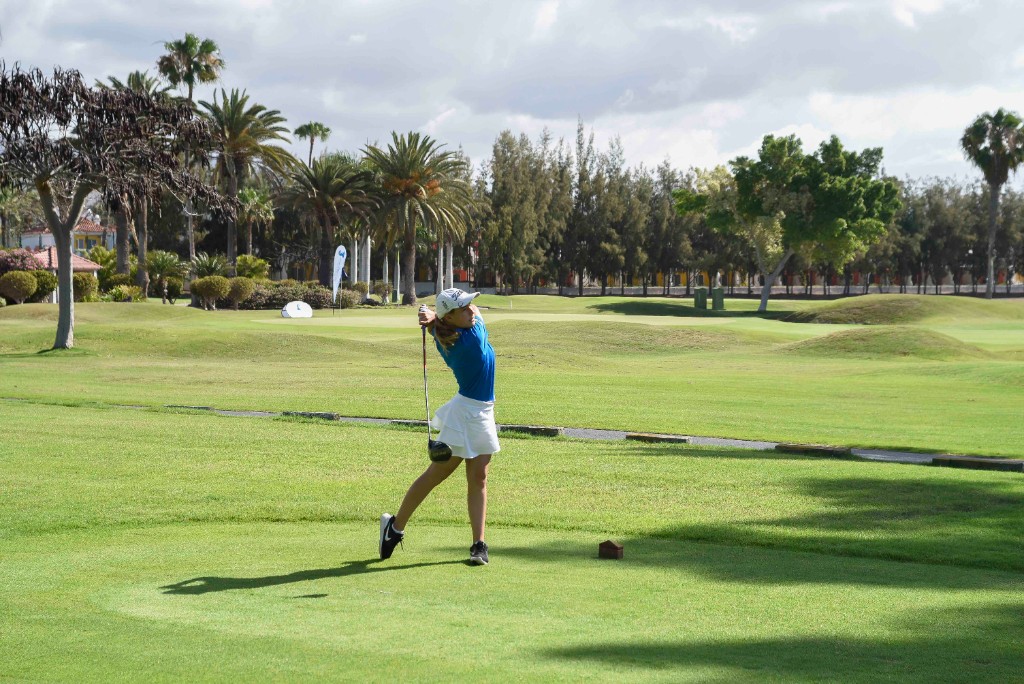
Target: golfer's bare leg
{"type": "Point", "coordinates": [476, 493]}
{"type": "Point", "coordinates": [435, 474]}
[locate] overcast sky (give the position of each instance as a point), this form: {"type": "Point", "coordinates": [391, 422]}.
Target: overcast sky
{"type": "Point", "coordinates": [697, 82]}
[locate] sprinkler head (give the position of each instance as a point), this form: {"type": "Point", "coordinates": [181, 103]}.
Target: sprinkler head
{"type": "Point", "coordinates": [439, 452]}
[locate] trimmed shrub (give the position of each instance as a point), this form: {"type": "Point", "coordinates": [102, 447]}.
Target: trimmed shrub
{"type": "Point", "coordinates": [360, 287]}
{"type": "Point", "coordinates": [248, 266]}
{"type": "Point", "coordinates": [108, 283]}
{"type": "Point", "coordinates": [18, 286]}
{"type": "Point", "coordinates": [348, 299]}
{"type": "Point", "coordinates": [288, 282]}
{"type": "Point", "coordinates": [240, 289]}
{"type": "Point", "coordinates": [210, 289]}
{"type": "Point", "coordinates": [46, 283]}
{"type": "Point", "coordinates": [126, 293]}
{"type": "Point", "coordinates": [85, 285]}
{"type": "Point", "coordinates": [274, 295]}
{"type": "Point", "coordinates": [174, 286]}
{"type": "Point", "coordinates": [382, 289]}
{"type": "Point", "coordinates": [318, 297]}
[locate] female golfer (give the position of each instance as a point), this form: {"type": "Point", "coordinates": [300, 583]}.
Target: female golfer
{"type": "Point", "coordinates": [466, 423]}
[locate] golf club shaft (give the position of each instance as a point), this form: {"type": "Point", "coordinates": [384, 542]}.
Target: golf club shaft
{"type": "Point", "coordinates": [426, 394]}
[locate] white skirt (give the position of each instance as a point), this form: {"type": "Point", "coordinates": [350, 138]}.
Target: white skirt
{"type": "Point", "coordinates": [467, 426]}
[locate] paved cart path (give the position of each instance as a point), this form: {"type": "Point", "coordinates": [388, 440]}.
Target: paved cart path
{"type": "Point", "coordinates": [882, 455]}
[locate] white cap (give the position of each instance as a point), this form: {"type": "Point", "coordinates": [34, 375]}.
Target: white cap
{"type": "Point", "coordinates": [451, 299]}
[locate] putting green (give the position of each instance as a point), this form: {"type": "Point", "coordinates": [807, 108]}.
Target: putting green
{"type": "Point", "coordinates": [311, 601]}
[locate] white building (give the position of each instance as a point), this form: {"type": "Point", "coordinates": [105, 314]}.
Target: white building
{"type": "Point", "coordinates": [87, 234]}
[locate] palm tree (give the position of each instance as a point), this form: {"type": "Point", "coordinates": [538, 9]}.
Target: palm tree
{"type": "Point", "coordinates": [331, 189]}
{"type": "Point", "coordinates": [139, 81]}
{"type": "Point", "coordinates": [243, 133]}
{"type": "Point", "coordinates": [163, 265]}
{"type": "Point", "coordinates": [420, 184]}
{"type": "Point", "coordinates": [313, 130]}
{"type": "Point", "coordinates": [255, 207]}
{"type": "Point", "coordinates": [995, 144]}
{"type": "Point", "coordinates": [204, 264]}
{"type": "Point", "coordinates": [188, 62]}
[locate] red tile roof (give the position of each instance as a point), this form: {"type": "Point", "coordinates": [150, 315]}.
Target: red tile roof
{"type": "Point", "coordinates": [48, 259]}
{"type": "Point", "coordinates": [84, 227]}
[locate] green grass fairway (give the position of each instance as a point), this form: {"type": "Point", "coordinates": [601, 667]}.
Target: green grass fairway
{"type": "Point", "coordinates": [916, 373]}
{"type": "Point", "coordinates": [159, 545]}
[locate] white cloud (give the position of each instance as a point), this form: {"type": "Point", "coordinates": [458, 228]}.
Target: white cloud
{"type": "Point", "coordinates": [698, 82]}
{"type": "Point", "coordinates": [547, 15]}
{"type": "Point", "coordinates": [739, 28]}
{"type": "Point", "coordinates": [882, 118]}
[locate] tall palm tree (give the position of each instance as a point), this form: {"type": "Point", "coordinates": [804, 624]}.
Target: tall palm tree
{"type": "Point", "coordinates": [331, 189]}
{"type": "Point", "coordinates": [995, 144]}
{"type": "Point", "coordinates": [313, 130]}
{"type": "Point", "coordinates": [420, 184]}
{"type": "Point", "coordinates": [188, 62]}
{"type": "Point", "coordinates": [255, 206]}
{"type": "Point", "coordinates": [243, 134]}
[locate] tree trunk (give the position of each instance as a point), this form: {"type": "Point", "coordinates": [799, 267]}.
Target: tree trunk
{"type": "Point", "coordinates": [367, 276]}
{"type": "Point", "coordinates": [326, 265]}
{"type": "Point", "coordinates": [439, 269]}
{"type": "Point", "coordinates": [248, 242]}
{"type": "Point", "coordinates": [353, 253]}
{"type": "Point", "coordinates": [449, 264]}
{"type": "Point", "coordinates": [398, 271]}
{"type": "Point", "coordinates": [142, 230]}
{"type": "Point", "coordinates": [993, 215]}
{"type": "Point", "coordinates": [769, 280]}
{"type": "Point", "coordinates": [121, 244]}
{"type": "Point", "coordinates": [384, 273]}
{"type": "Point", "coordinates": [188, 204]}
{"type": "Point", "coordinates": [65, 338]}
{"type": "Point", "coordinates": [232, 227]}
{"type": "Point", "coordinates": [409, 271]}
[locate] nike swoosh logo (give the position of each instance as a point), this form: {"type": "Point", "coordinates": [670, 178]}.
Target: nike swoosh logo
{"type": "Point", "coordinates": [387, 537]}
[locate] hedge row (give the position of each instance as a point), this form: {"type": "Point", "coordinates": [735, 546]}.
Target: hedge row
{"type": "Point", "coordinates": [274, 295]}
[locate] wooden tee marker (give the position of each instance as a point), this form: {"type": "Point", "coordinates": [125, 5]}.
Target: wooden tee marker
{"type": "Point", "coordinates": [609, 549]}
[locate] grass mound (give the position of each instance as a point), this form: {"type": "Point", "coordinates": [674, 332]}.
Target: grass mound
{"type": "Point", "coordinates": [888, 341]}
{"type": "Point", "coordinates": [591, 339]}
{"type": "Point", "coordinates": [905, 309]}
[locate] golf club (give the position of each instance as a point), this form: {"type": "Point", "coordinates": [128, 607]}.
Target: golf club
{"type": "Point", "coordinates": [439, 452]}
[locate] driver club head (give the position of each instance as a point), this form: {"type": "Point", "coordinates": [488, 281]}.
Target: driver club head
{"type": "Point", "coordinates": [439, 452]}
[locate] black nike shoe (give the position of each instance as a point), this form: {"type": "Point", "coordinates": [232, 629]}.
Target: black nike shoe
{"type": "Point", "coordinates": [478, 553]}
{"type": "Point", "coordinates": [389, 539]}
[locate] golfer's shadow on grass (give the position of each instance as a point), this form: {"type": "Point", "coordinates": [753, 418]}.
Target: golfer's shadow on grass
{"type": "Point", "coordinates": [205, 585]}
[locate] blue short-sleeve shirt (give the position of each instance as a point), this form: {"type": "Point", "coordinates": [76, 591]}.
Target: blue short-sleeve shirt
{"type": "Point", "coordinates": [471, 358]}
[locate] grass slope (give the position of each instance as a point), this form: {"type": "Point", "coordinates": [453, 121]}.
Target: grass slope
{"type": "Point", "coordinates": [888, 342]}
{"type": "Point", "coordinates": [573, 362]}
{"type": "Point", "coordinates": [902, 309]}
{"type": "Point", "coordinates": [142, 545]}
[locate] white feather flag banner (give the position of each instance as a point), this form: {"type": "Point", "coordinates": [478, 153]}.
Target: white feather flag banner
{"type": "Point", "coordinates": [339, 268]}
